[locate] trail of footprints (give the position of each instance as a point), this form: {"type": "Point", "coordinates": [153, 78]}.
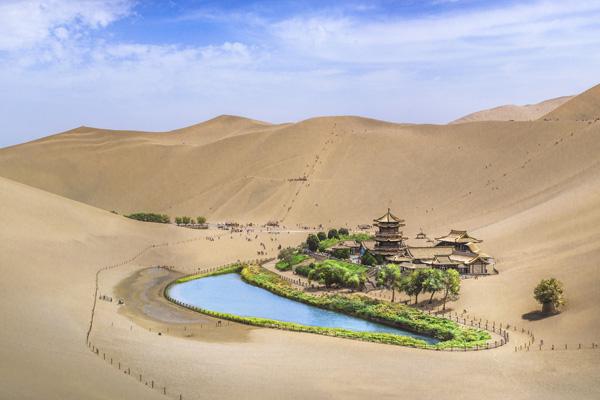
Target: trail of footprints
{"type": "Point", "coordinates": [310, 170]}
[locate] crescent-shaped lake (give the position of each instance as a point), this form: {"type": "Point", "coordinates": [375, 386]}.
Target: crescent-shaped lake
{"type": "Point", "coordinates": [230, 294]}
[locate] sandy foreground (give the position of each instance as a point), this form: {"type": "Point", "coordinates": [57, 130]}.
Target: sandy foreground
{"type": "Point", "coordinates": [48, 289]}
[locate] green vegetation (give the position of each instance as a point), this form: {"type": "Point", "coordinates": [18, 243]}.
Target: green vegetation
{"type": "Point", "coordinates": [342, 254]}
{"type": "Point", "coordinates": [312, 242]}
{"type": "Point", "coordinates": [389, 278]}
{"type": "Point", "coordinates": [401, 316]}
{"type": "Point", "coordinates": [321, 236]}
{"type": "Point", "coordinates": [335, 273]}
{"type": "Point", "coordinates": [150, 217]}
{"type": "Point", "coordinates": [220, 271]}
{"type": "Point", "coordinates": [333, 234]}
{"type": "Point", "coordinates": [289, 257]}
{"type": "Point", "coordinates": [450, 285]}
{"type": "Point", "coordinates": [201, 220]}
{"type": "Point", "coordinates": [549, 293]}
{"type": "Point", "coordinates": [329, 242]}
{"type": "Point", "coordinates": [368, 259]}
{"type": "Point", "coordinates": [338, 273]}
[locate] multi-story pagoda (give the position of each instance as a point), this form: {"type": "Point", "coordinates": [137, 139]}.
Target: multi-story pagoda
{"type": "Point", "coordinates": [389, 240]}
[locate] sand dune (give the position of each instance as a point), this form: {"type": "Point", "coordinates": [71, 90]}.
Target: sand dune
{"type": "Point", "coordinates": [511, 112]}
{"type": "Point", "coordinates": [585, 107]}
{"type": "Point", "coordinates": [530, 190]}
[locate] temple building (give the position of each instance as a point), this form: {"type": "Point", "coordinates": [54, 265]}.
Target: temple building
{"type": "Point", "coordinates": [457, 250]}
{"type": "Point", "coordinates": [388, 239]}
{"type": "Point", "coordinates": [460, 240]}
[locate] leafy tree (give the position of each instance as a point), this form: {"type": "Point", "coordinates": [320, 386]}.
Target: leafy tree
{"type": "Point", "coordinates": [286, 255]}
{"type": "Point", "coordinates": [322, 235]}
{"type": "Point", "coordinates": [434, 281]}
{"type": "Point", "coordinates": [451, 285]}
{"type": "Point", "coordinates": [343, 232]}
{"type": "Point", "coordinates": [413, 285]}
{"type": "Point", "coordinates": [354, 280]}
{"type": "Point", "coordinates": [333, 234]}
{"type": "Point", "coordinates": [178, 220]}
{"type": "Point", "coordinates": [341, 253]}
{"type": "Point", "coordinates": [312, 242]}
{"type": "Point", "coordinates": [389, 276]}
{"type": "Point", "coordinates": [368, 259]}
{"type": "Point", "coordinates": [192, 221]}
{"type": "Point", "coordinates": [201, 220]}
{"type": "Point", "coordinates": [549, 293]}
{"type": "Point", "coordinates": [328, 274]}
{"type": "Point", "coordinates": [185, 220]}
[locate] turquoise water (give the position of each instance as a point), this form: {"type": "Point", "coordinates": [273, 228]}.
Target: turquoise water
{"type": "Point", "coordinates": [230, 294]}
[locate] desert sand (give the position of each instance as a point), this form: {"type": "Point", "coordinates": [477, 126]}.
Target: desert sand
{"type": "Point", "coordinates": [511, 112]}
{"type": "Point", "coordinates": [530, 190]}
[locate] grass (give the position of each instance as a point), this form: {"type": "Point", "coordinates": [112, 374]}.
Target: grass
{"type": "Point", "coordinates": [296, 259]}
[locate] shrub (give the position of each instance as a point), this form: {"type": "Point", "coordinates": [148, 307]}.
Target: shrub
{"type": "Point", "coordinates": [343, 232]}
{"type": "Point", "coordinates": [201, 220]}
{"type": "Point", "coordinates": [549, 293]}
{"type": "Point", "coordinates": [333, 234]}
{"type": "Point", "coordinates": [368, 259]}
{"type": "Point", "coordinates": [321, 236]}
{"type": "Point", "coordinates": [341, 253]}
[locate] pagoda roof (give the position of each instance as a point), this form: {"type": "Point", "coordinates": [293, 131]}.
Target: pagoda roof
{"type": "Point", "coordinates": [456, 236]}
{"type": "Point", "coordinates": [388, 218]}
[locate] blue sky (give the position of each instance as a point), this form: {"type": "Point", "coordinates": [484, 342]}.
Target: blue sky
{"type": "Point", "coordinates": [160, 65]}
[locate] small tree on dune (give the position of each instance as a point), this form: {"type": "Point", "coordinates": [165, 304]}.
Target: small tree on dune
{"type": "Point", "coordinates": [322, 235]}
{"type": "Point", "coordinates": [343, 231]}
{"type": "Point", "coordinates": [185, 220]}
{"type": "Point", "coordinates": [178, 220]}
{"type": "Point", "coordinates": [333, 234]}
{"type": "Point", "coordinates": [549, 293]}
{"type": "Point", "coordinates": [201, 220]}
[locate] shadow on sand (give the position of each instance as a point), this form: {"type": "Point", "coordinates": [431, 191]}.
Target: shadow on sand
{"type": "Point", "coordinates": [537, 315]}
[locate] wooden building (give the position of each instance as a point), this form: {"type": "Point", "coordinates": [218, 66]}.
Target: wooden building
{"type": "Point", "coordinates": [388, 239]}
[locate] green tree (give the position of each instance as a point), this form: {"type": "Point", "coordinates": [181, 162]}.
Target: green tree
{"type": "Point", "coordinates": [343, 231]}
{"type": "Point", "coordinates": [388, 277]}
{"type": "Point", "coordinates": [201, 220]}
{"type": "Point", "coordinates": [451, 285]}
{"type": "Point", "coordinates": [333, 234]}
{"type": "Point", "coordinates": [354, 280]}
{"type": "Point", "coordinates": [341, 253]}
{"type": "Point", "coordinates": [185, 220]}
{"type": "Point", "coordinates": [549, 293]}
{"type": "Point", "coordinates": [368, 259]}
{"type": "Point", "coordinates": [178, 220]}
{"type": "Point", "coordinates": [413, 285]}
{"type": "Point", "coordinates": [286, 254]}
{"type": "Point", "coordinates": [322, 235]}
{"type": "Point", "coordinates": [312, 242]}
{"type": "Point", "coordinates": [434, 282]}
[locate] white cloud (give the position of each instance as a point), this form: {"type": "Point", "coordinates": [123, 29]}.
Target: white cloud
{"type": "Point", "coordinates": [27, 23]}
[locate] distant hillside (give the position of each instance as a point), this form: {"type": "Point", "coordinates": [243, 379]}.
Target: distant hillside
{"type": "Point", "coordinates": [584, 107]}
{"type": "Point", "coordinates": [512, 112]}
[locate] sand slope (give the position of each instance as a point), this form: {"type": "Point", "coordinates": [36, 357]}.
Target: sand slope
{"type": "Point", "coordinates": [585, 107]}
{"type": "Point", "coordinates": [51, 248]}
{"type": "Point", "coordinates": [511, 112]}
